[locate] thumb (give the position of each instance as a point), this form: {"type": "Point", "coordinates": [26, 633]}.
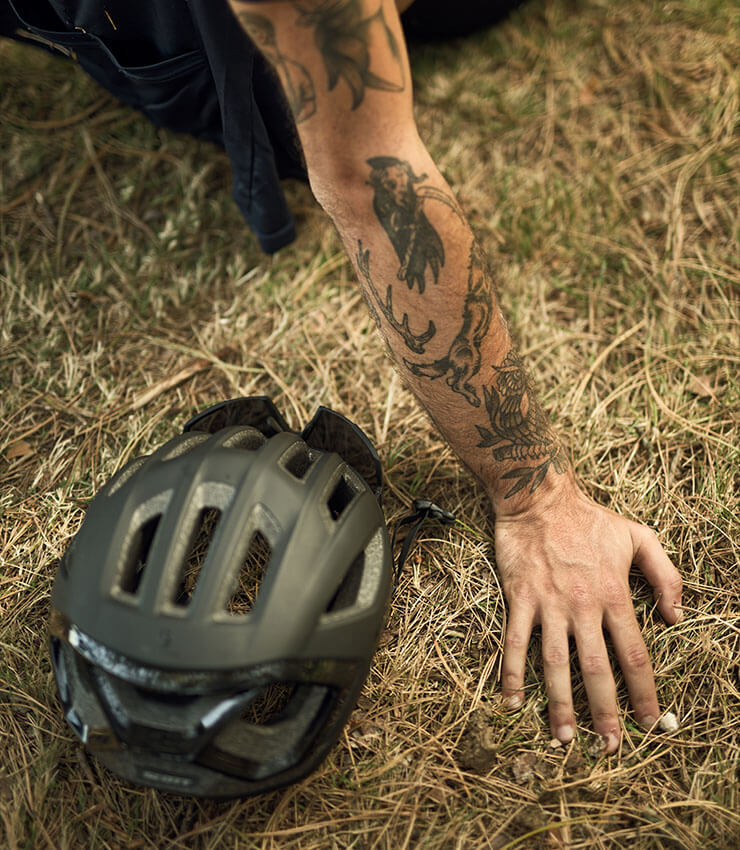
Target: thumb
{"type": "Point", "coordinates": [658, 569]}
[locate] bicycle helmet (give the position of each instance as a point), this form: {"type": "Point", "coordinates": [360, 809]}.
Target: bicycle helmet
{"type": "Point", "coordinates": [214, 619]}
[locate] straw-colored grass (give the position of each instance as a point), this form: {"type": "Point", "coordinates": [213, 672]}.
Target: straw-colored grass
{"type": "Point", "coordinates": [596, 149]}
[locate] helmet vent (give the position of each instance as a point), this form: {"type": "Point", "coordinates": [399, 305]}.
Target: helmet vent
{"type": "Point", "coordinates": [141, 545]}
{"type": "Point", "coordinates": [205, 528]}
{"type": "Point", "coordinates": [250, 575]}
{"type": "Point", "coordinates": [124, 474]}
{"type": "Point", "coordinates": [246, 438]}
{"type": "Point", "coordinates": [346, 594]}
{"type": "Point", "coordinates": [340, 498]}
{"type": "Point", "coordinates": [269, 703]}
{"type": "Point", "coordinates": [181, 445]}
{"type": "Point", "coordinates": [297, 460]}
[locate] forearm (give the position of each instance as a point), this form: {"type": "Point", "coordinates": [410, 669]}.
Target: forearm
{"type": "Point", "coordinates": [427, 282]}
{"type": "Point", "coordinates": [345, 72]}
{"type": "Point", "coordinates": [346, 75]}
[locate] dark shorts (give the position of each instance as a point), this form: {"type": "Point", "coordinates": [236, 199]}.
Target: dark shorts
{"type": "Point", "coordinates": [187, 66]}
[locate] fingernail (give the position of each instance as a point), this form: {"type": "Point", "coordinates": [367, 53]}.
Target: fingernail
{"type": "Point", "coordinates": [612, 742]}
{"type": "Point", "coordinates": [513, 702]}
{"type": "Point", "coordinates": [564, 733]}
{"type": "Point", "coordinates": [678, 611]}
{"type": "Point", "coordinates": [648, 721]}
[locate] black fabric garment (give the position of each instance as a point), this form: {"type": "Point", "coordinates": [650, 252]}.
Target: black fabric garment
{"type": "Point", "coordinates": [440, 20]}
{"type": "Point", "coordinates": [189, 67]}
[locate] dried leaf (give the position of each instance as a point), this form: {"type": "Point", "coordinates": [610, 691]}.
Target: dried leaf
{"type": "Point", "coordinates": [523, 767]}
{"type": "Point", "coordinates": [575, 763]}
{"type": "Point", "coordinates": [477, 750]}
{"type": "Point", "coordinates": [438, 794]}
{"type": "Point", "coordinates": [597, 747]}
{"type": "Point", "coordinates": [586, 94]}
{"type": "Point", "coordinates": [700, 386]}
{"type": "Point", "coordinates": [365, 735]}
{"type": "Point", "coordinates": [18, 450]}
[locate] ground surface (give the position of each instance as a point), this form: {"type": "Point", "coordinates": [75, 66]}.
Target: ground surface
{"type": "Point", "coordinates": [596, 148]}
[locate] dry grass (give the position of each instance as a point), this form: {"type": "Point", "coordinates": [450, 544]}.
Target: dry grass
{"type": "Point", "coordinates": [596, 147]}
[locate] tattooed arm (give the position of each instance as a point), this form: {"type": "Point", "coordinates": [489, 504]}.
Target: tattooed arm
{"type": "Point", "coordinates": [564, 561]}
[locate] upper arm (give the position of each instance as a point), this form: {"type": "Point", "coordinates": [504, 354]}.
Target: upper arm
{"type": "Point", "coordinates": [344, 70]}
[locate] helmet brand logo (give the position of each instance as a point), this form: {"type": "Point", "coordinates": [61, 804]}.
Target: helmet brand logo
{"type": "Point", "coordinates": [166, 778]}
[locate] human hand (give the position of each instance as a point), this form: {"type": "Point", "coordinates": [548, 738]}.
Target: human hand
{"type": "Point", "coordinates": [564, 565]}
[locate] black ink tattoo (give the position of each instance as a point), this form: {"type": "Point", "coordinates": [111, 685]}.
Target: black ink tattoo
{"type": "Point", "coordinates": [462, 361]}
{"type": "Point", "coordinates": [297, 83]}
{"type": "Point", "coordinates": [414, 342]}
{"type": "Point", "coordinates": [362, 258]}
{"type": "Point", "coordinates": [520, 430]}
{"type": "Point", "coordinates": [343, 38]}
{"type": "Point", "coordinates": [398, 204]}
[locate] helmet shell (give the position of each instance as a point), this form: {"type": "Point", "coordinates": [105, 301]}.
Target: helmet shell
{"type": "Point", "coordinates": [135, 624]}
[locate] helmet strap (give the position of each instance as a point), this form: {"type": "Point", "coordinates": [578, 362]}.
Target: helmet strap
{"type": "Point", "coordinates": [423, 509]}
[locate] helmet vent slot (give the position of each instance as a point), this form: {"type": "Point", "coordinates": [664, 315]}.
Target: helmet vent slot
{"type": "Point", "coordinates": [250, 575]}
{"type": "Point", "coordinates": [297, 460]}
{"type": "Point", "coordinates": [249, 439]}
{"type": "Point", "coordinates": [181, 445]}
{"type": "Point", "coordinates": [347, 592]}
{"type": "Point", "coordinates": [205, 528]}
{"type": "Point", "coordinates": [340, 498]}
{"type": "Point", "coordinates": [124, 474]}
{"type": "Point", "coordinates": [164, 699]}
{"type": "Point", "coordinates": [269, 703]}
{"type": "Point", "coordinates": [136, 563]}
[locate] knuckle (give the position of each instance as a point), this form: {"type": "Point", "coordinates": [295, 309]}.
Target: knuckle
{"type": "Point", "coordinates": [594, 665]}
{"type": "Point", "coordinates": [675, 584]}
{"type": "Point", "coordinates": [581, 598]}
{"type": "Point", "coordinates": [554, 656]}
{"type": "Point", "coordinates": [516, 640]}
{"type": "Point", "coordinates": [636, 657]}
{"type": "Point", "coordinates": [615, 593]}
{"type": "Point", "coordinates": [522, 592]}
{"type": "Point", "coordinates": [605, 720]}
{"type": "Point", "coordinates": [511, 681]}
{"type": "Point", "coordinates": [645, 705]}
{"type": "Point", "coordinates": [646, 536]}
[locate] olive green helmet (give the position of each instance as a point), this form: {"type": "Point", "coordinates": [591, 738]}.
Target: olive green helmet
{"type": "Point", "coordinates": [214, 619]}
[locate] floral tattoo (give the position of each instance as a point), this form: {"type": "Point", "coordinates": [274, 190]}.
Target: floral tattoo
{"type": "Point", "coordinates": [519, 429]}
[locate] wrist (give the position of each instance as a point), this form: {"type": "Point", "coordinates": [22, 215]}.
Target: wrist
{"type": "Point", "coordinates": [558, 486]}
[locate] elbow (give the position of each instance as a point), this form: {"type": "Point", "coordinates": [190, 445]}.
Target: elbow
{"type": "Point", "coordinates": [339, 168]}
{"type": "Point", "coordinates": [340, 188]}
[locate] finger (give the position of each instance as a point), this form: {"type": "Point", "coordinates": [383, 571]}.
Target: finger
{"type": "Point", "coordinates": [516, 642]}
{"type": "Point", "coordinates": [659, 570]}
{"type": "Point", "coordinates": [634, 660]}
{"type": "Point", "coordinates": [556, 664]}
{"type": "Point", "coordinates": [599, 682]}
